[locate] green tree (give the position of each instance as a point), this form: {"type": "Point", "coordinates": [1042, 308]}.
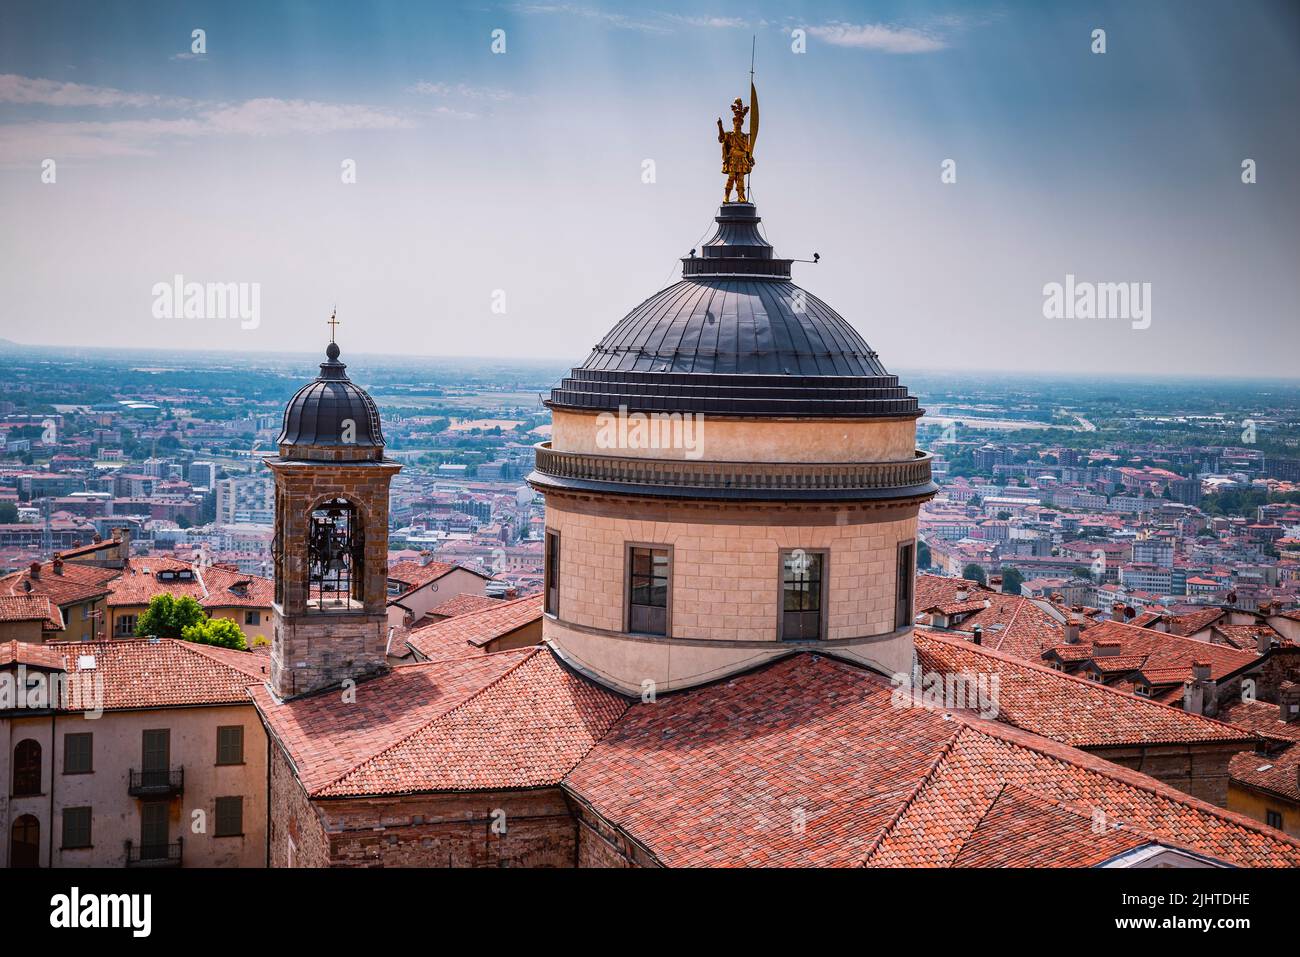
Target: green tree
{"type": "Point", "coordinates": [216, 631]}
{"type": "Point", "coordinates": [975, 573]}
{"type": "Point", "coordinates": [1011, 581]}
{"type": "Point", "coordinates": [168, 616]}
{"type": "Point", "coordinates": [923, 559]}
{"type": "Point", "coordinates": [8, 513]}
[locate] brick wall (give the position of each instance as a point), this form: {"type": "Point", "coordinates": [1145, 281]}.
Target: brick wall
{"type": "Point", "coordinates": [1200, 770]}
{"type": "Point", "coordinates": [452, 830]}
{"type": "Point", "coordinates": [293, 819]}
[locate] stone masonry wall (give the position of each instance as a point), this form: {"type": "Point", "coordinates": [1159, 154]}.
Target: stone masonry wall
{"type": "Point", "coordinates": [726, 577]}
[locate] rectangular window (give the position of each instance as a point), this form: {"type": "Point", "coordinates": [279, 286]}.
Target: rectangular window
{"type": "Point", "coordinates": [1274, 819]}
{"type": "Point", "coordinates": [76, 827]}
{"type": "Point", "coordinates": [156, 749]}
{"type": "Point", "coordinates": [125, 626]}
{"type": "Point", "coordinates": [649, 572]}
{"type": "Point", "coordinates": [803, 579]}
{"type": "Point", "coordinates": [230, 817]}
{"type": "Point", "coordinates": [230, 744]}
{"type": "Point", "coordinates": [903, 614]}
{"type": "Point", "coordinates": [78, 753]}
{"type": "Point", "coordinates": [552, 573]}
{"type": "Point", "coordinates": [252, 617]}
{"type": "Point", "coordinates": [153, 830]}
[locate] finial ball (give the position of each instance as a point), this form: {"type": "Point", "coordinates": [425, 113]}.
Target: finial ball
{"type": "Point", "coordinates": [332, 351]}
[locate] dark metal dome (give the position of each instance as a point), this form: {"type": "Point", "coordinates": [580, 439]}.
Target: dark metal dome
{"type": "Point", "coordinates": [735, 337]}
{"type": "Point", "coordinates": [320, 412]}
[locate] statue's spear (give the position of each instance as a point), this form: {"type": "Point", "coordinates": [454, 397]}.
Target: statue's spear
{"type": "Point", "coordinates": [753, 98]}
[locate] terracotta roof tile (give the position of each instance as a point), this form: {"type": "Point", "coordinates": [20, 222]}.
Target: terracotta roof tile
{"type": "Point", "coordinates": [1019, 829]}
{"type": "Point", "coordinates": [808, 762]}
{"type": "Point", "coordinates": [511, 719]}
{"type": "Point", "coordinates": [461, 604]}
{"type": "Point", "coordinates": [30, 654]}
{"type": "Point", "coordinates": [1278, 774]}
{"type": "Point", "coordinates": [77, 583]}
{"type": "Point", "coordinates": [16, 608]}
{"type": "Point", "coordinates": [211, 586]}
{"type": "Point", "coordinates": [468, 633]}
{"type": "Point", "coordinates": [1066, 708]}
{"type": "Point", "coordinates": [156, 672]}
{"type": "Point", "coordinates": [1010, 623]}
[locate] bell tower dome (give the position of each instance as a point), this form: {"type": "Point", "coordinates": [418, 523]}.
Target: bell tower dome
{"type": "Point", "coordinates": [331, 536]}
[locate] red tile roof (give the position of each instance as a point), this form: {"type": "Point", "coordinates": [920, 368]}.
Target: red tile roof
{"type": "Point", "coordinates": [212, 586]}
{"type": "Point", "coordinates": [16, 608]}
{"type": "Point", "coordinates": [808, 762]}
{"type": "Point", "coordinates": [1020, 829]}
{"type": "Point", "coordinates": [1247, 637]}
{"type": "Point", "coordinates": [1170, 655]}
{"type": "Point", "coordinates": [1193, 622]}
{"type": "Point", "coordinates": [157, 673]}
{"type": "Point", "coordinates": [506, 720]}
{"type": "Point", "coordinates": [461, 604]}
{"type": "Point", "coordinates": [467, 634]}
{"type": "Point", "coordinates": [1066, 708]}
{"type": "Point", "coordinates": [77, 583]}
{"type": "Point", "coordinates": [30, 654]}
{"type": "Point", "coordinates": [414, 575]}
{"type": "Point", "coordinates": [1010, 623]}
{"type": "Point", "coordinates": [1260, 717]}
{"type": "Point", "coordinates": [984, 757]}
{"type": "Point", "coordinates": [1279, 774]}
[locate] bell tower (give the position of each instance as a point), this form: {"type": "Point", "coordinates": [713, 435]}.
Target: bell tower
{"type": "Point", "coordinates": [331, 536]}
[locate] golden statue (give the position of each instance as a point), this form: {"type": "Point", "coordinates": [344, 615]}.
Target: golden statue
{"type": "Point", "coordinates": [738, 146]}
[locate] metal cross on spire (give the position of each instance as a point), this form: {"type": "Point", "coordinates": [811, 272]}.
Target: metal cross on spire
{"type": "Point", "coordinates": [333, 322]}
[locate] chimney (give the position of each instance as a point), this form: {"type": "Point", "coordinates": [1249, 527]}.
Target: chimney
{"type": "Point", "coordinates": [426, 557]}
{"type": "Point", "coordinates": [57, 565]}
{"type": "Point", "coordinates": [123, 537]}
{"type": "Point", "coordinates": [1117, 611]}
{"type": "Point", "coordinates": [996, 583]}
{"type": "Point", "coordinates": [1193, 697]}
{"type": "Point", "coordinates": [35, 570]}
{"type": "Point", "coordinates": [1072, 631]}
{"type": "Point", "coordinates": [1105, 649]}
{"type": "Point", "coordinates": [1201, 670]}
{"type": "Point", "coordinates": [977, 634]}
{"type": "Point", "coordinates": [1264, 641]}
{"type": "Point", "coordinates": [1288, 701]}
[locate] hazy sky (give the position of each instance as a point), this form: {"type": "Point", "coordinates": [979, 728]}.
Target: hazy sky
{"type": "Point", "coordinates": [523, 172]}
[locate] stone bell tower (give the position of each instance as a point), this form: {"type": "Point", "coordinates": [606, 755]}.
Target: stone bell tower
{"type": "Point", "coordinates": [331, 536]}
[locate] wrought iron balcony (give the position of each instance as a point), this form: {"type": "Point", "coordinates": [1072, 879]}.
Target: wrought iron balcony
{"type": "Point", "coordinates": [684, 478]}
{"type": "Point", "coordinates": [164, 782]}
{"type": "Point", "coordinates": [154, 855]}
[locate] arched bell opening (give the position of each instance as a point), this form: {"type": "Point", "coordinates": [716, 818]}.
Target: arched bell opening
{"type": "Point", "coordinates": [335, 557]}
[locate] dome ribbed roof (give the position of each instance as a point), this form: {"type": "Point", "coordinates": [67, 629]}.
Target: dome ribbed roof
{"type": "Point", "coordinates": [735, 337]}
{"type": "Point", "coordinates": [320, 412]}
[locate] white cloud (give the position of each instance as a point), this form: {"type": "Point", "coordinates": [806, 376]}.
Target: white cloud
{"type": "Point", "coordinates": [269, 115]}
{"type": "Point", "coordinates": [879, 37]}
{"type": "Point", "coordinates": [464, 90]}
{"type": "Point", "coordinates": [708, 21]}
{"type": "Point", "coordinates": [28, 90]}
{"type": "Point", "coordinates": [618, 20]}
{"type": "Point", "coordinates": [27, 142]}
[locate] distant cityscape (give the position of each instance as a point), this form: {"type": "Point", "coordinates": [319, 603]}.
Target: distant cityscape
{"type": "Point", "coordinates": [1155, 495]}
